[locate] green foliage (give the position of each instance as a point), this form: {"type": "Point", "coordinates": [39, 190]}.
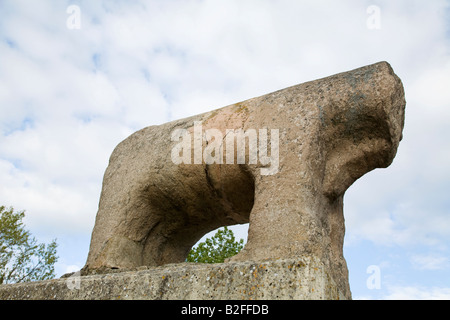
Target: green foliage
{"type": "Point", "coordinates": [216, 249]}
{"type": "Point", "coordinates": [21, 257]}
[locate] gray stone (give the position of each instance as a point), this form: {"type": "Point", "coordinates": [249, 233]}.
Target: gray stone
{"type": "Point", "coordinates": [305, 279]}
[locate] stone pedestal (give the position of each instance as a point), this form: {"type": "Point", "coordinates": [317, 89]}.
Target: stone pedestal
{"type": "Point", "coordinates": [304, 278]}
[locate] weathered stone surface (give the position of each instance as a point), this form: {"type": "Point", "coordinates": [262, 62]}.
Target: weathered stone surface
{"type": "Point", "coordinates": [282, 279]}
{"type": "Point", "coordinates": [324, 135]}
{"type": "Point", "coordinates": [330, 132]}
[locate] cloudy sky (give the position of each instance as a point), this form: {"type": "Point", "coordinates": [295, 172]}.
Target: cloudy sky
{"type": "Point", "coordinates": [77, 77]}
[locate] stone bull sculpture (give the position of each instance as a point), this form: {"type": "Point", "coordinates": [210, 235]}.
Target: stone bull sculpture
{"type": "Point", "coordinates": [297, 151]}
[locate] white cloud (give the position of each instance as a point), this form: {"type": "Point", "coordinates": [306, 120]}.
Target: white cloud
{"type": "Point", "coordinates": [72, 268]}
{"type": "Point", "coordinates": [430, 262]}
{"type": "Point", "coordinates": [51, 208]}
{"type": "Point", "coordinates": [409, 220]}
{"type": "Point", "coordinates": [417, 293]}
{"type": "Point", "coordinates": [430, 90]}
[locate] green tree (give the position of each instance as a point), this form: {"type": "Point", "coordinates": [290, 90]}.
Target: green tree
{"type": "Point", "coordinates": [216, 249]}
{"type": "Point", "coordinates": [21, 257]}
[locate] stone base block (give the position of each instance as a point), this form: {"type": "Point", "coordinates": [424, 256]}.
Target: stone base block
{"type": "Point", "coordinates": [303, 278]}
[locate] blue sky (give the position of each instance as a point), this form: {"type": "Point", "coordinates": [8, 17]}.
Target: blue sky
{"type": "Point", "coordinates": [68, 96]}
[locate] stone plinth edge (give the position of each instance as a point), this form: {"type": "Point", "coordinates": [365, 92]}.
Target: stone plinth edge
{"type": "Point", "coordinates": [303, 278]}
